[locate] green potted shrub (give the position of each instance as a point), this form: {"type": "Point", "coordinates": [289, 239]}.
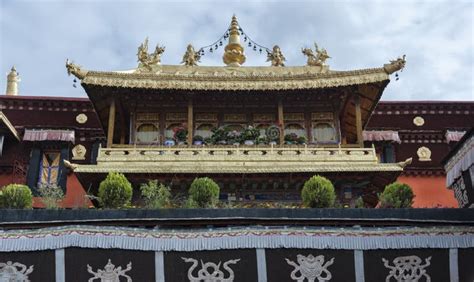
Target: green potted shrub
{"type": "Point", "coordinates": [234, 137]}
{"type": "Point", "coordinates": [301, 140]}
{"type": "Point", "coordinates": [154, 195]}
{"type": "Point", "coordinates": [219, 135]}
{"type": "Point", "coordinates": [203, 193]}
{"type": "Point", "coordinates": [16, 196]}
{"type": "Point", "coordinates": [396, 195]}
{"type": "Point", "coordinates": [197, 140]}
{"type": "Point", "coordinates": [115, 191]}
{"type": "Point", "coordinates": [318, 192]}
{"type": "Point", "coordinates": [180, 134]}
{"type": "Point", "coordinates": [250, 135]}
{"type": "Point", "coordinates": [291, 138]}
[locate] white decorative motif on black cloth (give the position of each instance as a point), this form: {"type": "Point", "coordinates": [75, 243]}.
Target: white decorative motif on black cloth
{"type": "Point", "coordinates": [210, 272]}
{"type": "Point", "coordinates": [407, 269]}
{"type": "Point", "coordinates": [110, 273]}
{"type": "Point", "coordinates": [14, 272]}
{"type": "Point", "coordinates": [310, 268]}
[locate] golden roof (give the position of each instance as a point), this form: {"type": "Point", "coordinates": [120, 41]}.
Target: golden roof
{"type": "Point", "coordinates": [233, 78]}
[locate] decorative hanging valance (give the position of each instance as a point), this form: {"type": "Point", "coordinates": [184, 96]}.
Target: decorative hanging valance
{"type": "Point", "coordinates": [454, 136]}
{"type": "Point", "coordinates": [381, 135]}
{"type": "Point", "coordinates": [49, 135]}
{"type": "Point", "coordinates": [460, 162]}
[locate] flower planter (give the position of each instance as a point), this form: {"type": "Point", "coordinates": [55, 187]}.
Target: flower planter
{"type": "Point", "coordinates": [249, 142]}
{"type": "Point", "coordinates": [170, 143]}
{"type": "Point", "coordinates": [198, 143]}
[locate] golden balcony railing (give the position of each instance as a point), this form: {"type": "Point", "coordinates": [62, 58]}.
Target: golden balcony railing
{"type": "Point", "coordinates": [236, 154]}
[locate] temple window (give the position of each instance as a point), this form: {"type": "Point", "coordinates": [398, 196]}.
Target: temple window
{"type": "Point", "coordinates": [204, 130]}
{"type": "Point", "coordinates": [147, 133]}
{"type": "Point", "coordinates": [295, 128]}
{"type": "Point", "coordinates": [388, 154]}
{"type": "Point", "coordinates": [324, 132]}
{"type": "Point", "coordinates": [170, 130]}
{"type": "Point", "coordinates": [49, 169]}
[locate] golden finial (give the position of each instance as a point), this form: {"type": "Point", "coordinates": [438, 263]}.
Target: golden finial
{"type": "Point", "coordinates": [12, 82]}
{"type": "Point", "coordinates": [234, 52]}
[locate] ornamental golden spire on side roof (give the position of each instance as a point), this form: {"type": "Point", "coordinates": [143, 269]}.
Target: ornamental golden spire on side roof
{"type": "Point", "coordinates": [234, 52]}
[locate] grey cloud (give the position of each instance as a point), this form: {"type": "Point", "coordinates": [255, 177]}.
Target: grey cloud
{"type": "Point", "coordinates": [436, 36]}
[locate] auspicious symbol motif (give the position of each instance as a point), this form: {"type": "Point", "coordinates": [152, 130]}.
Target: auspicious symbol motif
{"type": "Point", "coordinates": [273, 133]}
{"type": "Point", "coordinates": [81, 118]}
{"type": "Point", "coordinates": [407, 269]}
{"type": "Point", "coordinates": [418, 121]}
{"type": "Point", "coordinates": [79, 152]}
{"type": "Point", "coordinates": [276, 57]}
{"type": "Point", "coordinates": [15, 272]}
{"type": "Point", "coordinates": [310, 268]}
{"type": "Point", "coordinates": [148, 60]}
{"type": "Point", "coordinates": [316, 60]}
{"type": "Point", "coordinates": [110, 273]}
{"type": "Point", "coordinates": [395, 65]}
{"type": "Point", "coordinates": [191, 57]}
{"type": "Point", "coordinates": [424, 154]}
{"type": "Point", "coordinates": [216, 275]}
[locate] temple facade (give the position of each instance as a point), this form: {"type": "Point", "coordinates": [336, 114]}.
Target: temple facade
{"type": "Point", "coordinates": [260, 132]}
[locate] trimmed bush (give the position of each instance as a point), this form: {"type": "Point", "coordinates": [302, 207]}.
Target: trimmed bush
{"type": "Point", "coordinates": [51, 196]}
{"type": "Point", "coordinates": [115, 191]}
{"type": "Point", "coordinates": [16, 196]}
{"type": "Point", "coordinates": [155, 196]}
{"type": "Point", "coordinates": [396, 195]}
{"type": "Point", "coordinates": [318, 192]}
{"type": "Point", "coordinates": [203, 193]}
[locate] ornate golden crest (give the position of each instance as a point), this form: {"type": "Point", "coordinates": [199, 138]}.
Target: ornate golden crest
{"type": "Point", "coordinates": [146, 61]}
{"type": "Point", "coordinates": [276, 57]}
{"type": "Point", "coordinates": [191, 57]}
{"type": "Point", "coordinates": [318, 59]}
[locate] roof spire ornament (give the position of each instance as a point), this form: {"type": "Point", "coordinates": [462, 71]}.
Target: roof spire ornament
{"type": "Point", "coordinates": [276, 57]}
{"type": "Point", "coordinates": [234, 52]}
{"type": "Point", "coordinates": [147, 61]}
{"type": "Point", "coordinates": [318, 59]}
{"type": "Point", "coordinates": [12, 82]}
{"type": "Point", "coordinates": [395, 65]}
{"type": "Point", "coordinates": [191, 57]}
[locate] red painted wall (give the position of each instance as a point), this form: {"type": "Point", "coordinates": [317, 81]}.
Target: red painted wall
{"type": "Point", "coordinates": [430, 191]}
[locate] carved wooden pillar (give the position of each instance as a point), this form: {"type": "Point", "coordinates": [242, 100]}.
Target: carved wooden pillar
{"type": "Point", "coordinates": [122, 123]}
{"type": "Point", "coordinates": [281, 122]}
{"type": "Point", "coordinates": [190, 122]}
{"type": "Point", "coordinates": [110, 131]}
{"type": "Point", "coordinates": [358, 117]}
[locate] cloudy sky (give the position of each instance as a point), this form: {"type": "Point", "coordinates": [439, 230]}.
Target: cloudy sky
{"type": "Point", "coordinates": [437, 37]}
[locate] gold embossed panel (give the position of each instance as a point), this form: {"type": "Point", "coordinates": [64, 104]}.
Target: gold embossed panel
{"type": "Point", "coordinates": [235, 118]}
{"type": "Point", "coordinates": [206, 117]}
{"type": "Point", "coordinates": [263, 117]}
{"type": "Point", "coordinates": [176, 116]}
{"type": "Point", "coordinates": [322, 116]}
{"type": "Point", "coordinates": [148, 116]}
{"type": "Point", "coordinates": [293, 116]}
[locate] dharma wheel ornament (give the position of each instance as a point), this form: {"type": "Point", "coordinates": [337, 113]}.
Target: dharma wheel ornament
{"type": "Point", "coordinates": [234, 52]}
